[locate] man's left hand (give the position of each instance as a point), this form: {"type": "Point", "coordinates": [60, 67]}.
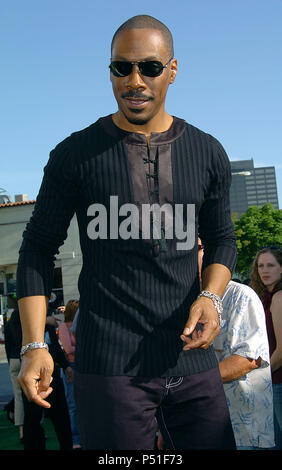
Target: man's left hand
{"type": "Point", "coordinates": [203, 312]}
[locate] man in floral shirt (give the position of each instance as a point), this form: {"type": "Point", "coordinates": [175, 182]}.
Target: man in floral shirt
{"type": "Point", "coordinates": [242, 350]}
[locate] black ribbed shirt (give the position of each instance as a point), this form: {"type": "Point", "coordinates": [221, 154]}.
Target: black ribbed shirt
{"type": "Point", "coordinates": [135, 293]}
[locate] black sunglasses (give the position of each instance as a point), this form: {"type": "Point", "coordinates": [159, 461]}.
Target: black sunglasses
{"type": "Point", "coordinates": [149, 68]}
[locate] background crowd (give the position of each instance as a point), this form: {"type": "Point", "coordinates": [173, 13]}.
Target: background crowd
{"type": "Point", "coordinates": [248, 347]}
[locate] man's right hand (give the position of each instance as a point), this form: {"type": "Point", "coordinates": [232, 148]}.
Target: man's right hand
{"type": "Point", "coordinates": [36, 375]}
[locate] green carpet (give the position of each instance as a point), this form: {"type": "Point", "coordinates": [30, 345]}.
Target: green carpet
{"type": "Point", "coordinates": [9, 434]}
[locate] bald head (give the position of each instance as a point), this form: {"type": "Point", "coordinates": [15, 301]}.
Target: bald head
{"type": "Point", "coordinates": [147, 22]}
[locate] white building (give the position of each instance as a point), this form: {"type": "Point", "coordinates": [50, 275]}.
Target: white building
{"type": "Point", "coordinates": [13, 219]}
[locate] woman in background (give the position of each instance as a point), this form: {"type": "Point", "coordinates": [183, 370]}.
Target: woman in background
{"type": "Point", "coordinates": [266, 280]}
{"type": "Point", "coordinates": [67, 341]}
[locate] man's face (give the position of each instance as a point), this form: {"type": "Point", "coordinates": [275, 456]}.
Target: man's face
{"type": "Point", "coordinates": [141, 98]}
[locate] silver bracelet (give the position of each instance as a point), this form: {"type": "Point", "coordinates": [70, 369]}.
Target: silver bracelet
{"type": "Point", "coordinates": [34, 345]}
{"type": "Point", "coordinates": [217, 302]}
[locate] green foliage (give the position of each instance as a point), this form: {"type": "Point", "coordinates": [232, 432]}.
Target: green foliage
{"type": "Point", "coordinates": [255, 229]}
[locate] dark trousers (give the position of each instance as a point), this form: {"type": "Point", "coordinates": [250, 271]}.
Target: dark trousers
{"type": "Point", "coordinates": [34, 436]}
{"type": "Point", "coordinates": [124, 413]}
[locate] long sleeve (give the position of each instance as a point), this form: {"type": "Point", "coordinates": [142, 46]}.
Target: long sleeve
{"type": "Point", "coordinates": [47, 228]}
{"type": "Point", "coordinates": [216, 228]}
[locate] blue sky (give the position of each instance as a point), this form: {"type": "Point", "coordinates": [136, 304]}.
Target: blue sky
{"type": "Point", "coordinates": [54, 78]}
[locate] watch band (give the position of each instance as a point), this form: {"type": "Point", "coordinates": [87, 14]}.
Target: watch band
{"type": "Point", "coordinates": [35, 345]}
{"type": "Point", "coordinates": [217, 302]}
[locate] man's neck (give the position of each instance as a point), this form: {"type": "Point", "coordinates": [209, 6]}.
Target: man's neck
{"type": "Point", "coordinates": [154, 125]}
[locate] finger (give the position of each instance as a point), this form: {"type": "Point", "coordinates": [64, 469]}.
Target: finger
{"type": "Point", "coordinates": [39, 399]}
{"type": "Point", "coordinates": [36, 390]}
{"type": "Point", "coordinates": [195, 335]}
{"type": "Point", "coordinates": [26, 386]}
{"type": "Point", "coordinates": [204, 339]}
{"type": "Point", "coordinates": [195, 343]}
{"type": "Point", "coordinates": [30, 390]}
{"type": "Point", "coordinates": [192, 321]}
{"type": "Point", "coordinates": [44, 383]}
{"type": "Point", "coordinates": [39, 396]}
{"type": "Point", "coordinates": [46, 394]}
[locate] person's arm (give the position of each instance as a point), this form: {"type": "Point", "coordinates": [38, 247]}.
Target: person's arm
{"type": "Point", "coordinates": [276, 310]}
{"type": "Point", "coordinates": [44, 234]}
{"type": "Point", "coordinates": [37, 365]}
{"type": "Point", "coordinates": [243, 344]}
{"type": "Point", "coordinates": [216, 231]}
{"type": "Point", "coordinates": [234, 367]}
{"type": "Point", "coordinates": [65, 338]}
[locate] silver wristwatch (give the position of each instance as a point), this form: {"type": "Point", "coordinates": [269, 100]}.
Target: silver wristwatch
{"type": "Point", "coordinates": [217, 302]}
{"type": "Point", "coordinates": [34, 345]}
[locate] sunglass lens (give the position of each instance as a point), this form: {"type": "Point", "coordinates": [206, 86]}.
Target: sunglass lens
{"type": "Point", "coordinates": [151, 68]}
{"type": "Point", "coordinates": [121, 69]}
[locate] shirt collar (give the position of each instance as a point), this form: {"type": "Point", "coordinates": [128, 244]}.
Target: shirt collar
{"type": "Point", "coordinates": [157, 138]}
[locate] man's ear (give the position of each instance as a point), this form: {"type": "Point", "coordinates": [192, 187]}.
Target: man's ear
{"type": "Point", "coordinates": [173, 70]}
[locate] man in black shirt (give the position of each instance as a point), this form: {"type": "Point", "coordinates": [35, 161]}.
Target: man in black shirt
{"type": "Point", "coordinates": [144, 337]}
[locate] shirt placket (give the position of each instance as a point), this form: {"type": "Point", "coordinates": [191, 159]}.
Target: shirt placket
{"type": "Point", "coordinates": [152, 178]}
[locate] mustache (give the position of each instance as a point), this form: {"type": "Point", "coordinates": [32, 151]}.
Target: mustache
{"type": "Point", "coordinates": [137, 95]}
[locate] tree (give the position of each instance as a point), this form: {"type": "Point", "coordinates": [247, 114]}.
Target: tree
{"type": "Point", "coordinates": [256, 228]}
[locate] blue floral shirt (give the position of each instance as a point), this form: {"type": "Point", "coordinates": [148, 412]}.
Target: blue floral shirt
{"type": "Point", "coordinates": [249, 398]}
